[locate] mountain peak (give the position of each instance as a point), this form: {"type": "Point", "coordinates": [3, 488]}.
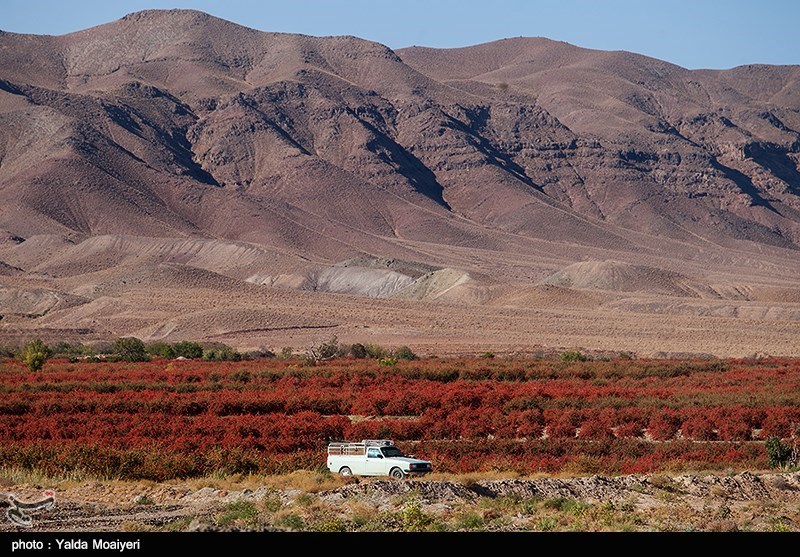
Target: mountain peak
{"type": "Point", "coordinates": [152, 15]}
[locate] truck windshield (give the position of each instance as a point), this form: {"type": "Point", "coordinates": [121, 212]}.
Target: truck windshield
{"type": "Point", "coordinates": [391, 451]}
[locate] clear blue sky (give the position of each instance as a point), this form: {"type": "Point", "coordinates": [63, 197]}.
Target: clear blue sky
{"type": "Point", "coordinates": [691, 33]}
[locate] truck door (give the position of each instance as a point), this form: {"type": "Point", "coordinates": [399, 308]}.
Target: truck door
{"type": "Point", "coordinates": [375, 464]}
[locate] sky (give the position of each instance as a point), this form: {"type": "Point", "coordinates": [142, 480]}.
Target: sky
{"type": "Point", "coordinates": [694, 34]}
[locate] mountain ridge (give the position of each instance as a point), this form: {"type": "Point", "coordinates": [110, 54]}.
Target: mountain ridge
{"type": "Point", "coordinates": [505, 162]}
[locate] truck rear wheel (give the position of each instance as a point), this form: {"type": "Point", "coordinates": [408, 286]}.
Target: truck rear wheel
{"type": "Point", "coordinates": [397, 474]}
{"type": "Point", "coordinates": [345, 471]}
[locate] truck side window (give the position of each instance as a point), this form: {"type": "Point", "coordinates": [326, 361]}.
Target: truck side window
{"type": "Point", "coordinates": [374, 453]}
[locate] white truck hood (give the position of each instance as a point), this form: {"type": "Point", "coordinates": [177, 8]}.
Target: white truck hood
{"type": "Point", "coordinates": [407, 459]}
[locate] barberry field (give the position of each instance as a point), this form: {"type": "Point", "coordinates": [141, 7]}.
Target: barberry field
{"type": "Point", "coordinates": [168, 419]}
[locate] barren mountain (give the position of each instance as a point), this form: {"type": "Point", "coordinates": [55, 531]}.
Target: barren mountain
{"type": "Point", "coordinates": [173, 175]}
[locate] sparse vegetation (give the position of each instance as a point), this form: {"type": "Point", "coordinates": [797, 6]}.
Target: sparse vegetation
{"type": "Point", "coordinates": [144, 500]}
{"type": "Point", "coordinates": [310, 502]}
{"type": "Point", "coordinates": [221, 353]}
{"type": "Point", "coordinates": [239, 513]}
{"type": "Point", "coordinates": [326, 350]}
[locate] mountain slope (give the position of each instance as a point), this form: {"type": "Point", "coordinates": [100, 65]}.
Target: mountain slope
{"type": "Point", "coordinates": [500, 164]}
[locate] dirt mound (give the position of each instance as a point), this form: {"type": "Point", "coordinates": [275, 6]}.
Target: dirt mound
{"type": "Point", "coordinates": [165, 276]}
{"type": "Point", "coordinates": [441, 284]}
{"type": "Point", "coordinates": [546, 296]}
{"type": "Point", "coordinates": [620, 277]}
{"type": "Point", "coordinates": [112, 252]}
{"type": "Point", "coordinates": [361, 281]}
{"type": "Point", "coordinates": [411, 268]}
{"type": "Point", "coordinates": [745, 486]}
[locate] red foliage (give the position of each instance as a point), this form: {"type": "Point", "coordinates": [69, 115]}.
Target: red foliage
{"type": "Point", "coordinates": [169, 419]}
{"type": "Point", "coordinates": [595, 429]}
{"type": "Point", "coordinates": [699, 427]}
{"type": "Point", "coordinates": [663, 425]}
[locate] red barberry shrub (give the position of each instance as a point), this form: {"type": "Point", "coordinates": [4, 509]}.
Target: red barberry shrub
{"type": "Point", "coordinates": [663, 425]}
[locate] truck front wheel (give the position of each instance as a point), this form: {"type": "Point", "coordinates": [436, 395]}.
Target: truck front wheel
{"type": "Point", "coordinates": [397, 474]}
{"type": "Point", "coordinates": [346, 471]}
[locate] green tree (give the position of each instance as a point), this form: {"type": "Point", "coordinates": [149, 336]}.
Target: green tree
{"type": "Point", "coordinates": [130, 349]}
{"type": "Point", "coordinates": [161, 350]}
{"type": "Point", "coordinates": [188, 349]}
{"type": "Point", "coordinates": [63, 349]}
{"type": "Point", "coordinates": [35, 354]}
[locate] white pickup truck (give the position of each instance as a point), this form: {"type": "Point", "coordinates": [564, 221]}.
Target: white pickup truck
{"type": "Point", "coordinates": [373, 457]}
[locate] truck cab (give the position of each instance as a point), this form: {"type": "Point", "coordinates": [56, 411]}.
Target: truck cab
{"type": "Point", "coordinates": [374, 457]}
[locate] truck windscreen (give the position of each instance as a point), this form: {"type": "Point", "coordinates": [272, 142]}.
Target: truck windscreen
{"type": "Point", "coordinates": [391, 452]}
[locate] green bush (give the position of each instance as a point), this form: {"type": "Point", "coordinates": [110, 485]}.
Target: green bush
{"type": "Point", "coordinates": [358, 351]}
{"type": "Point", "coordinates": [414, 519]}
{"type": "Point", "coordinates": [779, 455]}
{"type": "Point", "coordinates": [259, 354]}
{"type": "Point", "coordinates": [129, 349]}
{"type": "Point", "coordinates": [221, 353]}
{"type": "Point", "coordinates": [62, 349]}
{"type": "Point", "coordinates": [239, 513]}
{"type": "Point", "coordinates": [573, 356]}
{"type": "Point", "coordinates": [35, 354]}
{"type": "Point", "coordinates": [375, 351]}
{"type": "Point", "coordinates": [183, 349]}
{"type": "Point", "coordinates": [405, 353]}
{"type": "Point", "coordinates": [187, 349]}
{"type": "Point", "coordinates": [35, 360]}
{"type": "Point", "coordinates": [160, 350]}
{"type": "Point", "coordinates": [290, 521]}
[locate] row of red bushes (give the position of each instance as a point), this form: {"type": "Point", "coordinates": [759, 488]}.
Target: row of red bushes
{"type": "Point", "coordinates": [175, 419]}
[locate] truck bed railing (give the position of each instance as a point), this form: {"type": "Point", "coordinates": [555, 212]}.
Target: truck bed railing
{"type": "Point", "coordinates": [354, 449]}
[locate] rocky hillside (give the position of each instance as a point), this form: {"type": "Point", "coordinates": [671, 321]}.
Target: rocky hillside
{"type": "Point", "coordinates": [173, 137]}
{"type": "Point", "coordinates": [178, 123]}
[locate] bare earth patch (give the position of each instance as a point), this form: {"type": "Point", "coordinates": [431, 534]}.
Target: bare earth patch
{"type": "Point", "coordinates": [691, 502]}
